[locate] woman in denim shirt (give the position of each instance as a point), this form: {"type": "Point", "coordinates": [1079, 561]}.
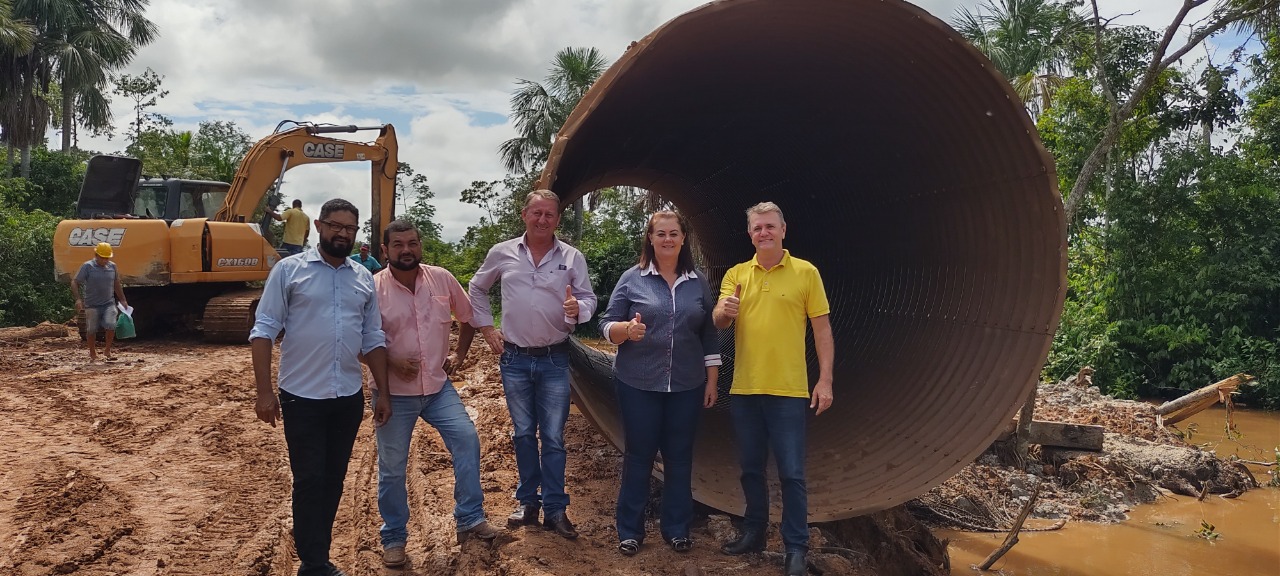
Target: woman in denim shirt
{"type": "Point", "coordinates": [665, 373]}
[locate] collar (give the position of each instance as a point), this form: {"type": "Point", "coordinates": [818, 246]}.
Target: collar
{"type": "Point", "coordinates": [786, 259]}
{"type": "Point", "coordinates": [555, 242]}
{"type": "Point", "coordinates": [312, 254]}
{"type": "Point", "coordinates": [653, 269]}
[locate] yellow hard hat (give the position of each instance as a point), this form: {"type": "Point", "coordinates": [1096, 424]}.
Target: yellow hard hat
{"type": "Point", "coordinates": [103, 250]}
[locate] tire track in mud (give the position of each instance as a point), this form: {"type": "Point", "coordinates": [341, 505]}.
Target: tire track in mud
{"type": "Point", "coordinates": [72, 520]}
{"type": "Point", "coordinates": [208, 491]}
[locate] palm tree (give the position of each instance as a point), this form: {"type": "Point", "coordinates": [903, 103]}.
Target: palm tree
{"type": "Point", "coordinates": [540, 110]}
{"type": "Point", "coordinates": [1028, 41]}
{"type": "Point", "coordinates": [17, 38]}
{"type": "Point", "coordinates": [78, 43]}
{"type": "Point", "coordinates": [92, 40]}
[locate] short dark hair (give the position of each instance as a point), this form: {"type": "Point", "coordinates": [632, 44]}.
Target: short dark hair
{"type": "Point", "coordinates": [338, 205]}
{"type": "Point", "coordinates": [399, 226]}
{"type": "Point", "coordinates": [684, 261]}
{"type": "Point", "coordinates": [297, 203]}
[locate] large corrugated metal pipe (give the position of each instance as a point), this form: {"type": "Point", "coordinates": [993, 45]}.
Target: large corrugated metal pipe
{"type": "Point", "coordinates": [908, 172]}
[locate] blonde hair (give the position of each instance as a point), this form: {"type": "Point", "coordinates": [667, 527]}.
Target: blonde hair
{"type": "Point", "coordinates": [765, 208]}
{"type": "Point", "coordinates": [541, 195]}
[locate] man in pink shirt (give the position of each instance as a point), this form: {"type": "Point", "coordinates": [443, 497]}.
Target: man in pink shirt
{"type": "Point", "coordinates": [417, 301]}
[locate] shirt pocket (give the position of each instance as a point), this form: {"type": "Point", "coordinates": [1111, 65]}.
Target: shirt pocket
{"type": "Point", "coordinates": [439, 312]}
{"type": "Point", "coordinates": [553, 280]}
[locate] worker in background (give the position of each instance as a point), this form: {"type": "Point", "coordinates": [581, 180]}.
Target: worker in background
{"type": "Point", "coordinates": [418, 304]}
{"type": "Point", "coordinates": [328, 309]}
{"type": "Point", "coordinates": [297, 227]}
{"type": "Point", "coordinates": [546, 293]}
{"type": "Point", "coordinates": [99, 281]}
{"type": "Point", "coordinates": [768, 299]}
{"type": "Point", "coordinates": [366, 260]}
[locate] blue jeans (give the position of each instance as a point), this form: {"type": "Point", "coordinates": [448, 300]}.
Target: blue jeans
{"type": "Point", "coordinates": [653, 421]}
{"type": "Point", "coordinates": [537, 391]}
{"type": "Point", "coordinates": [762, 422]}
{"type": "Point", "coordinates": [443, 411]}
{"type": "Point", "coordinates": [291, 249]}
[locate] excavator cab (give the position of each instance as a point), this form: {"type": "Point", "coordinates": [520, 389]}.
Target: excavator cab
{"type": "Point", "coordinates": [174, 198]}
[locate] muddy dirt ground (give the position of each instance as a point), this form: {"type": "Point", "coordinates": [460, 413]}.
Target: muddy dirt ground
{"type": "Point", "coordinates": [155, 464]}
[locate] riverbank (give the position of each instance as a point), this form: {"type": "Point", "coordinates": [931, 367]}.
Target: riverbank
{"type": "Point", "coordinates": [1135, 508]}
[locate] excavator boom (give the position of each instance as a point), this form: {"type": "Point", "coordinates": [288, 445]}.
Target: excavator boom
{"type": "Point", "coordinates": [267, 161]}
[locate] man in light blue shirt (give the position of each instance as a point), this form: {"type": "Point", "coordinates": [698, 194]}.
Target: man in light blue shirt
{"type": "Point", "coordinates": [328, 308]}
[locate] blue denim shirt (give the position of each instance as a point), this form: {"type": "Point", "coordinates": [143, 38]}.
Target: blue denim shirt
{"type": "Point", "coordinates": [329, 315]}
{"type": "Point", "coordinates": [680, 338]}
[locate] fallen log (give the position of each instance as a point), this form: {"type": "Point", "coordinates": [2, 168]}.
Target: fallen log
{"type": "Point", "coordinates": [1193, 403]}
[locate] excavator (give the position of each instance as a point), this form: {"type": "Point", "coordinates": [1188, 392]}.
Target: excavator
{"type": "Point", "coordinates": [187, 250]}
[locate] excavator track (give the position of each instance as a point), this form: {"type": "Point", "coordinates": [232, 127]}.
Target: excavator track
{"type": "Point", "coordinates": [229, 317]}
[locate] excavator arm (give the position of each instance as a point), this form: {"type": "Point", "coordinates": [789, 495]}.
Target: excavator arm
{"type": "Point", "coordinates": [267, 161]}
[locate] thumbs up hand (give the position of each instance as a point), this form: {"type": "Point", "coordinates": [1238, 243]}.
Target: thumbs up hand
{"type": "Point", "coordinates": [570, 303]}
{"type": "Point", "coordinates": [731, 303]}
{"type": "Point", "coordinates": [635, 329]}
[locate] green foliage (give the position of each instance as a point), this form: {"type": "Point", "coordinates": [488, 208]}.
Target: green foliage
{"type": "Point", "coordinates": [212, 152]}
{"type": "Point", "coordinates": [28, 292]}
{"type": "Point", "coordinates": [144, 89]}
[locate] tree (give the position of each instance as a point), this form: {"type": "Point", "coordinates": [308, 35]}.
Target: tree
{"type": "Point", "coordinates": [1226, 13]}
{"type": "Point", "coordinates": [217, 148]}
{"type": "Point", "coordinates": [77, 43]}
{"type": "Point", "coordinates": [17, 37]}
{"type": "Point", "coordinates": [144, 90]}
{"type": "Point", "coordinates": [86, 43]}
{"type": "Point", "coordinates": [540, 110]}
{"type": "Point", "coordinates": [1029, 42]}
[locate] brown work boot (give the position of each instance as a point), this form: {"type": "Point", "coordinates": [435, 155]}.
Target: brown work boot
{"type": "Point", "coordinates": [394, 557]}
{"type": "Point", "coordinates": [482, 531]}
{"type": "Point", "coordinates": [525, 515]}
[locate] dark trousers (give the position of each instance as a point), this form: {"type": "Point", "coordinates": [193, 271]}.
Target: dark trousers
{"type": "Point", "coordinates": [653, 421]}
{"type": "Point", "coordinates": [320, 434]}
{"type": "Point", "coordinates": [762, 423]}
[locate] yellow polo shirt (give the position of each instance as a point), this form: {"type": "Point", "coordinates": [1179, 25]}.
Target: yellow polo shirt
{"type": "Point", "coordinates": [769, 333]}
{"type": "Point", "coordinates": [295, 226]}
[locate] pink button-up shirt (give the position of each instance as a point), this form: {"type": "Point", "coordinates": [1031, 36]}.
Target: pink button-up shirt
{"type": "Point", "coordinates": [417, 325]}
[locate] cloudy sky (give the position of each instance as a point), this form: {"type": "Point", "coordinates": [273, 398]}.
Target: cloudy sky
{"type": "Point", "coordinates": [441, 71]}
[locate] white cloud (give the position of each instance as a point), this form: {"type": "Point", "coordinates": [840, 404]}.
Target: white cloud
{"type": "Point", "coordinates": [431, 67]}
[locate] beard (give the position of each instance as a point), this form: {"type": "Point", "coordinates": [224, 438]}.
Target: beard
{"type": "Point", "coordinates": [413, 260]}
{"type": "Point", "coordinates": [335, 247]}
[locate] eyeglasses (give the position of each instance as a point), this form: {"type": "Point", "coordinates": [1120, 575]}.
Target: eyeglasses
{"type": "Point", "coordinates": [336, 227]}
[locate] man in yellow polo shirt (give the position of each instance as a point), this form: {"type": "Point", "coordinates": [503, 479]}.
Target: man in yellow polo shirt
{"type": "Point", "coordinates": [297, 227]}
{"type": "Point", "coordinates": [769, 298]}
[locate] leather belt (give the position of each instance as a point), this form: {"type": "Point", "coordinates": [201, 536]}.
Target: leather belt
{"type": "Point", "coordinates": [537, 350]}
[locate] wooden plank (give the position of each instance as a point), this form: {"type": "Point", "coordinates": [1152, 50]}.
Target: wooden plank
{"type": "Point", "coordinates": [1061, 434]}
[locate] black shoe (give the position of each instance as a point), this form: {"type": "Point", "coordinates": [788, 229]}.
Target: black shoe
{"type": "Point", "coordinates": [795, 564]}
{"type": "Point", "coordinates": [750, 540]}
{"type": "Point", "coordinates": [525, 515]}
{"type": "Point", "coordinates": [561, 525]}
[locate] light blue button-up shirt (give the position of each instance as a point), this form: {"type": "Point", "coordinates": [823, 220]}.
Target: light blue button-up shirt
{"type": "Point", "coordinates": [330, 315]}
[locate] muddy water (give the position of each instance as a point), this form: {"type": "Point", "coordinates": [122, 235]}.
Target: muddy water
{"type": "Point", "coordinates": [1159, 539]}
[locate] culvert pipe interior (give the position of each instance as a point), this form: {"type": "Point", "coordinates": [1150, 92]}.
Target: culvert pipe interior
{"type": "Point", "coordinates": [909, 174]}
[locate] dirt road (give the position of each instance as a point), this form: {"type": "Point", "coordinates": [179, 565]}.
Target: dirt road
{"type": "Point", "coordinates": [155, 464]}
